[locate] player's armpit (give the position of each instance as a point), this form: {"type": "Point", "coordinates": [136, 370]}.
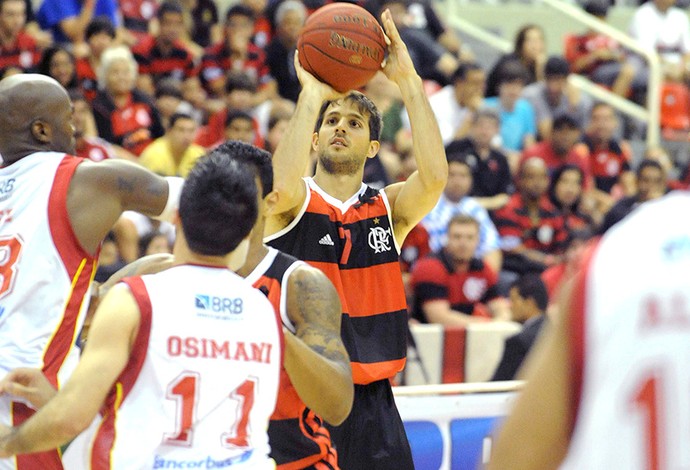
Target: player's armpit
{"type": "Point", "coordinates": [314, 308]}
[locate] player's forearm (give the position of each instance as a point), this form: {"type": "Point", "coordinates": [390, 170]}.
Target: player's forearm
{"type": "Point", "coordinates": [292, 153]}
{"type": "Point", "coordinates": [427, 145]}
{"type": "Point", "coordinates": [325, 386]}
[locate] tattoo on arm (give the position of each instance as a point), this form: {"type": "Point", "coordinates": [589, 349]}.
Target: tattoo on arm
{"type": "Point", "coordinates": [125, 184]}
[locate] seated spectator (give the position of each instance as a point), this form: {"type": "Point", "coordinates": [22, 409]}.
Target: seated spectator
{"type": "Point", "coordinates": [563, 147]}
{"type": "Point", "coordinates": [124, 115]}
{"type": "Point", "coordinates": [609, 156]}
{"type": "Point", "coordinates": [109, 260]}
{"type": "Point", "coordinates": [518, 123]}
{"type": "Point", "coordinates": [277, 125]}
{"type": "Point", "coordinates": [528, 300]}
{"type": "Point", "coordinates": [553, 97]}
{"type": "Point", "coordinates": [88, 144]}
{"type": "Point", "coordinates": [454, 105]}
{"type": "Point", "coordinates": [235, 53]}
{"type": "Point", "coordinates": [165, 55]}
{"type": "Point", "coordinates": [154, 243]}
{"type": "Point", "coordinates": [58, 62]}
{"type": "Point", "coordinates": [431, 60]}
{"type": "Point", "coordinates": [423, 16]}
{"type": "Point", "coordinates": [169, 100]}
{"type": "Point", "coordinates": [532, 230]}
{"type": "Point", "coordinates": [603, 60]}
{"type": "Point", "coordinates": [490, 170]}
{"type": "Point", "coordinates": [264, 21]}
{"type": "Point", "coordinates": [100, 35]}
{"type": "Point", "coordinates": [239, 96]}
{"type": "Point", "coordinates": [68, 19]}
{"type": "Point", "coordinates": [138, 16]}
{"type": "Point", "coordinates": [557, 275]}
{"type": "Point", "coordinates": [651, 180]}
{"type": "Point", "coordinates": [239, 125]}
{"type": "Point", "coordinates": [566, 193]}
{"type": "Point", "coordinates": [455, 200]}
{"type": "Point", "coordinates": [17, 47]}
{"type": "Point", "coordinates": [449, 285]}
{"type": "Point", "coordinates": [529, 50]}
{"type": "Point", "coordinates": [205, 29]}
{"type": "Point", "coordinates": [660, 26]}
{"type": "Point", "coordinates": [280, 52]}
{"type": "Point", "coordinates": [175, 153]}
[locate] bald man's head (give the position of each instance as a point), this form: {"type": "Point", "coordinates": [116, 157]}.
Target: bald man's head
{"type": "Point", "coordinates": [533, 178]}
{"type": "Point", "coordinates": [37, 116]}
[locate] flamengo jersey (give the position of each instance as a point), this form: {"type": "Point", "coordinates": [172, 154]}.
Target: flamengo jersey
{"type": "Point", "coordinates": [297, 436]}
{"type": "Point", "coordinates": [631, 344]}
{"type": "Point", "coordinates": [352, 242]}
{"type": "Point", "coordinates": [201, 381]}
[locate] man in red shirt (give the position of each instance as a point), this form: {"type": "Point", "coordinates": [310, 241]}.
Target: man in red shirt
{"type": "Point", "coordinates": [17, 48]}
{"type": "Point", "coordinates": [562, 148]}
{"type": "Point", "coordinates": [165, 55]}
{"type": "Point", "coordinates": [450, 285]}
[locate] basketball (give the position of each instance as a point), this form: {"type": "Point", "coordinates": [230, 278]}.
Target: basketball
{"type": "Point", "coordinates": [342, 45]}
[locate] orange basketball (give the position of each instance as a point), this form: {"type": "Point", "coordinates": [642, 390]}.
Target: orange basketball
{"type": "Point", "coordinates": [342, 44]}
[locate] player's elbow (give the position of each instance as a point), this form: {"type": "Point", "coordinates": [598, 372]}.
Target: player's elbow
{"type": "Point", "coordinates": [340, 408]}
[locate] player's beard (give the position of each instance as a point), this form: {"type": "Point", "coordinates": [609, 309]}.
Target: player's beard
{"type": "Point", "coordinates": [340, 165]}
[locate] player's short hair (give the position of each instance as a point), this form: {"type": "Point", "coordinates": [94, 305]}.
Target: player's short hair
{"type": "Point", "coordinates": [218, 204]}
{"type": "Point", "coordinates": [260, 162]}
{"type": "Point", "coordinates": [530, 286]}
{"type": "Point", "coordinates": [365, 106]}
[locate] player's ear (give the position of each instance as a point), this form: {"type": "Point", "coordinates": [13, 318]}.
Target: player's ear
{"type": "Point", "coordinates": [270, 201]}
{"type": "Point", "coordinates": [315, 141]}
{"type": "Point", "coordinates": [41, 131]}
{"type": "Point", "coordinates": [374, 146]}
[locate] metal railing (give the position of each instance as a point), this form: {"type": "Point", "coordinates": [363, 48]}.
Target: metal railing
{"type": "Point", "coordinates": [459, 388]}
{"type": "Point", "coordinates": [649, 114]}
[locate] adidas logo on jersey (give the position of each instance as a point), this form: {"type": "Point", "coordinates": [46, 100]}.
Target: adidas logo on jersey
{"type": "Point", "coordinates": [326, 240]}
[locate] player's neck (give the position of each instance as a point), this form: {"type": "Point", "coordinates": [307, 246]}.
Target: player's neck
{"type": "Point", "coordinates": [257, 252]}
{"type": "Point", "coordinates": [184, 255]}
{"type": "Point", "coordinates": [342, 187]}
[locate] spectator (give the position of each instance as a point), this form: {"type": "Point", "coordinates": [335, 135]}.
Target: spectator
{"type": "Point", "coordinates": [138, 15]}
{"type": "Point", "coordinates": [235, 53]}
{"type": "Point", "coordinates": [529, 50]}
{"type": "Point", "coordinates": [566, 193]}
{"type": "Point", "coordinates": [277, 125]}
{"type": "Point", "coordinates": [532, 230]}
{"type": "Point", "coordinates": [169, 100]}
{"type": "Point", "coordinates": [562, 148]}
{"type": "Point", "coordinates": [554, 96]}
{"type": "Point", "coordinates": [17, 47]}
{"type": "Point", "coordinates": [449, 284]}
{"type": "Point", "coordinates": [431, 59]}
{"type": "Point", "coordinates": [264, 25]}
{"type": "Point", "coordinates": [603, 59]}
{"type": "Point", "coordinates": [68, 19]}
{"type": "Point", "coordinates": [423, 16]}
{"type": "Point", "coordinates": [174, 154]}
{"type": "Point", "coordinates": [280, 52]}
{"type": "Point", "coordinates": [205, 28]}
{"type": "Point", "coordinates": [58, 62]}
{"type": "Point", "coordinates": [455, 104]}
{"type": "Point", "coordinates": [660, 26]}
{"type": "Point", "coordinates": [528, 300]}
{"type": "Point", "coordinates": [239, 125]}
{"type": "Point", "coordinates": [518, 122]}
{"type": "Point", "coordinates": [88, 144]}
{"type": "Point", "coordinates": [456, 200]}
{"type": "Point", "coordinates": [109, 261]}
{"type": "Point", "coordinates": [165, 55]}
{"type": "Point", "coordinates": [490, 170]}
{"type": "Point", "coordinates": [154, 243]}
{"type": "Point", "coordinates": [124, 115]}
{"type": "Point", "coordinates": [100, 35]}
{"type": "Point", "coordinates": [651, 184]}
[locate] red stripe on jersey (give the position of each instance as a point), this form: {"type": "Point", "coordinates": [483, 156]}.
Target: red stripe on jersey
{"type": "Point", "coordinates": [577, 332]}
{"type": "Point", "coordinates": [363, 373]}
{"type": "Point", "coordinates": [80, 266]}
{"type": "Point", "coordinates": [48, 460]}
{"type": "Point", "coordinates": [105, 437]}
{"type": "Point", "coordinates": [361, 301]}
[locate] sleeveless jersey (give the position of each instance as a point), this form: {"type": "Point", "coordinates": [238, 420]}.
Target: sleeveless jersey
{"type": "Point", "coordinates": [44, 277]}
{"type": "Point", "coordinates": [297, 435]}
{"type": "Point", "coordinates": [353, 243]}
{"type": "Point", "coordinates": [201, 381]}
{"type": "Point", "coordinates": [631, 344]}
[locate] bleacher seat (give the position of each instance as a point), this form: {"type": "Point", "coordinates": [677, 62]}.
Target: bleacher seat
{"type": "Point", "coordinates": [675, 110]}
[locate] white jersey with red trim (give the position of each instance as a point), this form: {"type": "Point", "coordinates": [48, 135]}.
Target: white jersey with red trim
{"type": "Point", "coordinates": [44, 272]}
{"type": "Point", "coordinates": [631, 344]}
{"type": "Point", "coordinates": [201, 381]}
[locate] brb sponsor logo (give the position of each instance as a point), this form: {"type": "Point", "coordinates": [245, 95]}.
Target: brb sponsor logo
{"type": "Point", "coordinates": [209, 305]}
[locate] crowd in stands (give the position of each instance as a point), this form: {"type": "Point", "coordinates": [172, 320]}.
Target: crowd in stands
{"type": "Point", "coordinates": [536, 167]}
